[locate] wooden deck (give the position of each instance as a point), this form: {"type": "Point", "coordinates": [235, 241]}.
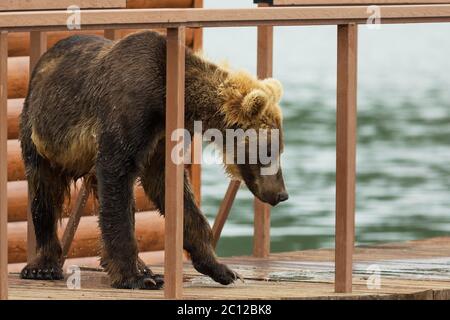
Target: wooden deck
{"type": "Point", "coordinates": [409, 270]}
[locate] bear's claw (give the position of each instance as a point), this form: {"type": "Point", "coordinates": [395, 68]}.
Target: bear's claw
{"type": "Point", "coordinates": [240, 277]}
{"type": "Point", "coordinates": [224, 275]}
{"type": "Point", "coordinates": [144, 282]}
{"type": "Point", "coordinates": [36, 272]}
{"type": "Point", "coordinates": [143, 269]}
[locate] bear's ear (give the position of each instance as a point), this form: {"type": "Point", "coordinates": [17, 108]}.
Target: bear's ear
{"type": "Point", "coordinates": [275, 88]}
{"type": "Point", "coordinates": [254, 104]}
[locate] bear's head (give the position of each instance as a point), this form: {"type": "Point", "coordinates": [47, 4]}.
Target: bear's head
{"type": "Point", "coordinates": [252, 121]}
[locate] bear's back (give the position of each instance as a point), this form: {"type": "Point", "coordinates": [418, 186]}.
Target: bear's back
{"type": "Point", "coordinates": [84, 83]}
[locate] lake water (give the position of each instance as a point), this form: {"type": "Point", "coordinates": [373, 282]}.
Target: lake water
{"type": "Point", "coordinates": [403, 158]}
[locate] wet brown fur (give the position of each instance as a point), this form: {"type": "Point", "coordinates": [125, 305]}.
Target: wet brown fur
{"type": "Point", "coordinates": [96, 110]}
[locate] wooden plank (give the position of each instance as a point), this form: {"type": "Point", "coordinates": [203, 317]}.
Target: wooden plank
{"type": "Point", "coordinates": [112, 34]}
{"type": "Point", "coordinates": [265, 52]}
{"type": "Point", "coordinates": [345, 154]}
{"type": "Point", "coordinates": [20, 5]}
{"type": "Point", "coordinates": [346, 2]}
{"type": "Point", "coordinates": [174, 185]}
{"type": "Point", "coordinates": [261, 231]}
{"type": "Point", "coordinates": [95, 286]}
{"type": "Point", "coordinates": [10, 5]}
{"type": "Point", "coordinates": [198, 32]}
{"type": "Point", "coordinates": [18, 77]}
{"type": "Point", "coordinates": [19, 45]}
{"type": "Point", "coordinates": [17, 197]}
{"type": "Point", "coordinates": [38, 46]}
{"type": "Point", "coordinates": [261, 236]}
{"type": "Point", "coordinates": [149, 257]}
{"type": "Point", "coordinates": [86, 243]}
{"type": "Point", "coordinates": [224, 210]}
{"type": "Point", "coordinates": [282, 276]}
{"type": "Point", "coordinates": [74, 221]}
{"type": "Point", "coordinates": [196, 168]}
{"type": "Point", "coordinates": [14, 110]}
{"type": "Point", "coordinates": [138, 4]}
{"type": "Point", "coordinates": [3, 166]}
{"type": "Point", "coordinates": [19, 66]}
{"type": "Point", "coordinates": [16, 167]}
{"type": "Point", "coordinates": [133, 18]}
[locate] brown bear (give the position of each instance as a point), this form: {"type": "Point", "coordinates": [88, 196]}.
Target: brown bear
{"type": "Point", "coordinates": [96, 110]}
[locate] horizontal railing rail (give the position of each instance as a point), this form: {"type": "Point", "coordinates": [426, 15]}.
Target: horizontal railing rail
{"type": "Point", "coordinates": [20, 5]}
{"type": "Point", "coordinates": [172, 18]}
{"type": "Point", "coordinates": [346, 2]}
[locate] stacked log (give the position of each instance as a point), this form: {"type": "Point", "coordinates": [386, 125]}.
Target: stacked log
{"type": "Point", "coordinates": [149, 224]}
{"type": "Point", "coordinates": [14, 109]}
{"type": "Point", "coordinates": [149, 235]}
{"type": "Point", "coordinates": [17, 202]}
{"type": "Point", "coordinates": [18, 66]}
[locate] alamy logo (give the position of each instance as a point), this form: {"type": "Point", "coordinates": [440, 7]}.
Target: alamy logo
{"type": "Point", "coordinates": [237, 147]}
{"type": "Point", "coordinates": [374, 280]}
{"type": "Point", "coordinates": [73, 22]}
{"type": "Point", "coordinates": [374, 20]}
{"type": "Point", "coordinates": [74, 280]}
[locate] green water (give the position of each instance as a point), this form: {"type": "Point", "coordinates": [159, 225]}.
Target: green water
{"type": "Point", "coordinates": [403, 185]}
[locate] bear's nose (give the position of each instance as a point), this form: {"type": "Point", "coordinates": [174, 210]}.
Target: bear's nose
{"type": "Point", "coordinates": [283, 196]}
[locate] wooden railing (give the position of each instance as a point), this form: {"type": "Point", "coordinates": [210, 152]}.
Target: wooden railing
{"type": "Point", "coordinates": [346, 18]}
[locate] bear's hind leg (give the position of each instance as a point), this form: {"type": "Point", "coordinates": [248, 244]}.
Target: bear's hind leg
{"type": "Point", "coordinates": [47, 186]}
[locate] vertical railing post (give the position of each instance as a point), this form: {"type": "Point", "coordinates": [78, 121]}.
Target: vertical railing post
{"type": "Point", "coordinates": [261, 236]}
{"type": "Point", "coordinates": [174, 174]}
{"type": "Point", "coordinates": [73, 222]}
{"type": "Point", "coordinates": [224, 210]}
{"type": "Point", "coordinates": [196, 168]}
{"type": "Point", "coordinates": [3, 166]}
{"type": "Point", "coordinates": [38, 46]}
{"type": "Point", "coordinates": [111, 34]}
{"type": "Point", "coordinates": [347, 58]}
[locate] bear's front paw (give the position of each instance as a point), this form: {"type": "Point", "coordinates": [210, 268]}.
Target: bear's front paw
{"type": "Point", "coordinates": [225, 275]}
{"type": "Point", "coordinates": [220, 273]}
{"type": "Point", "coordinates": [144, 282]}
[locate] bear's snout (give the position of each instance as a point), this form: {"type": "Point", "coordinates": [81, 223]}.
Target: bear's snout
{"type": "Point", "coordinates": [282, 196]}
